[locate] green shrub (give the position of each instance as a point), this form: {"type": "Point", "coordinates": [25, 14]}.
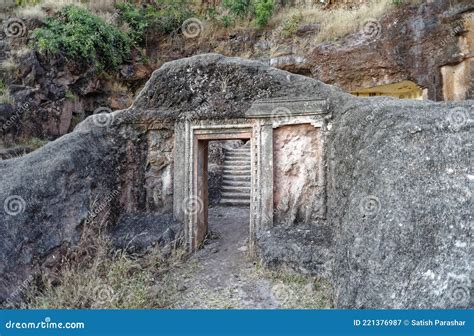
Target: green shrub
{"type": "Point", "coordinates": [238, 7]}
{"type": "Point", "coordinates": [165, 16]}
{"type": "Point", "coordinates": [5, 97]}
{"type": "Point", "coordinates": [82, 36]}
{"type": "Point", "coordinates": [227, 21]}
{"type": "Point", "coordinates": [3, 87]}
{"type": "Point", "coordinates": [263, 11]}
{"type": "Point", "coordinates": [135, 19]}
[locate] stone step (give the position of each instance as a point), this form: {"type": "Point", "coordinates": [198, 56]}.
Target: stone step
{"type": "Point", "coordinates": [236, 173]}
{"type": "Point", "coordinates": [240, 150]}
{"type": "Point", "coordinates": [233, 183]}
{"type": "Point", "coordinates": [235, 202]}
{"type": "Point", "coordinates": [237, 163]}
{"type": "Point", "coordinates": [236, 189]}
{"type": "Point", "coordinates": [237, 158]}
{"type": "Point", "coordinates": [235, 195]}
{"type": "Point", "coordinates": [235, 169]}
{"type": "Point", "coordinates": [233, 152]}
{"type": "Point", "coordinates": [236, 178]}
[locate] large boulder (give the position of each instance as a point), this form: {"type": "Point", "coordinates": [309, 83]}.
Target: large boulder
{"type": "Point", "coordinates": [400, 201]}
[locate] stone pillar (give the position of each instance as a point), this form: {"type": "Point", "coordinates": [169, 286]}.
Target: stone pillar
{"type": "Point", "coordinates": [262, 179]}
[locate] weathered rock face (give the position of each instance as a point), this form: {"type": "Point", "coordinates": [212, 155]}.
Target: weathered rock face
{"type": "Point", "coordinates": [50, 95]}
{"type": "Point", "coordinates": [297, 161]}
{"type": "Point", "coordinates": [403, 227]}
{"type": "Point", "coordinates": [413, 42]}
{"type": "Point", "coordinates": [397, 227]}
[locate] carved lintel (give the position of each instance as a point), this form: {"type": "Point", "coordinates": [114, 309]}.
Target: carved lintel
{"type": "Point", "coordinates": [287, 107]}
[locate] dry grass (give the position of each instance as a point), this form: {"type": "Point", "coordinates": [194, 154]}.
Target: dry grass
{"type": "Point", "coordinates": [298, 291]}
{"type": "Point", "coordinates": [22, 51]}
{"type": "Point", "coordinates": [5, 97]}
{"type": "Point", "coordinates": [335, 23]}
{"type": "Point", "coordinates": [92, 276]}
{"type": "Point", "coordinates": [9, 65]}
{"type": "Point", "coordinates": [102, 8]}
{"type": "Point", "coordinates": [36, 12]}
{"type": "Point", "coordinates": [115, 86]}
{"type": "Point", "coordinates": [33, 143]}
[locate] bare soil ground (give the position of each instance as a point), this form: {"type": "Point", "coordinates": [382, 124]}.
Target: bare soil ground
{"type": "Point", "coordinates": [223, 275]}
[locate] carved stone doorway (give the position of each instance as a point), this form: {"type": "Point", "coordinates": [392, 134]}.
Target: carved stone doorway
{"type": "Point", "coordinates": [190, 192]}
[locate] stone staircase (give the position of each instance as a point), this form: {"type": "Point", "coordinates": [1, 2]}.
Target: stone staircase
{"type": "Point", "coordinates": [236, 179]}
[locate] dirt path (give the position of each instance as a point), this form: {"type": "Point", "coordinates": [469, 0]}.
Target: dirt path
{"type": "Point", "coordinates": [222, 275]}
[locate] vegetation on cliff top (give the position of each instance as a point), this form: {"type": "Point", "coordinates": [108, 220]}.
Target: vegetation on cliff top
{"type": "Point", "coordinates": [82, 36]}
{"type": "Point", "coordinates": [107, 33]}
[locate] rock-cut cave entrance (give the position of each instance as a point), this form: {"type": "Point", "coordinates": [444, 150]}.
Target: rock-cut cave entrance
{"type": "Point", "coordinates": [226, 197]}
{"type": "Point", "coordinates": [200, 211]}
